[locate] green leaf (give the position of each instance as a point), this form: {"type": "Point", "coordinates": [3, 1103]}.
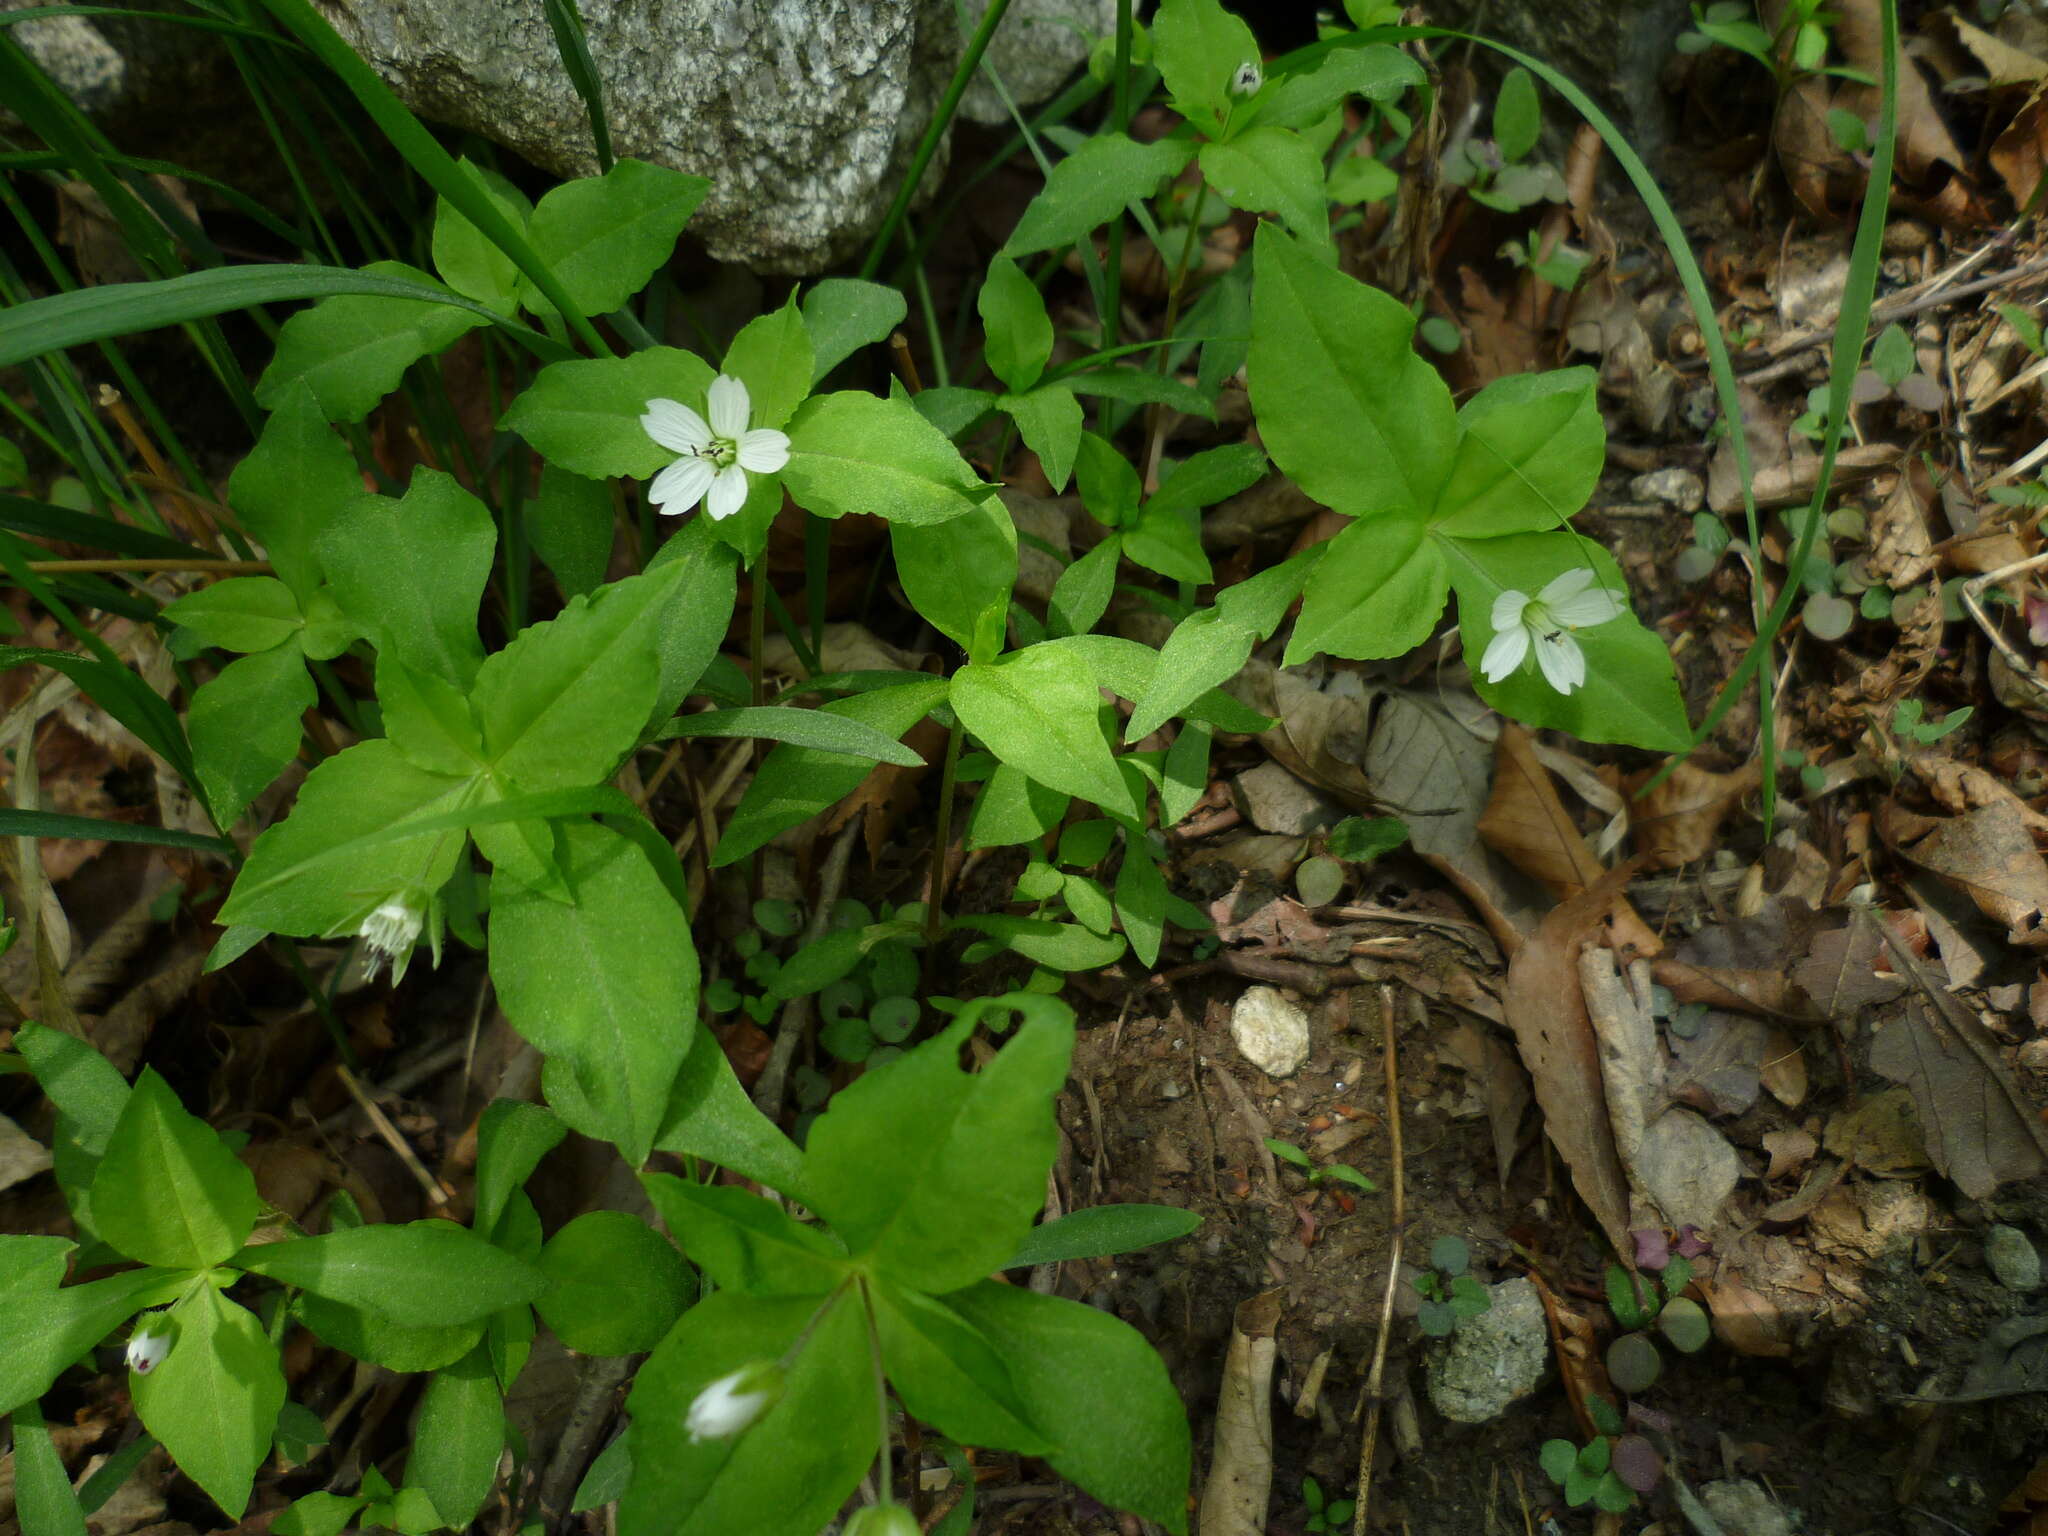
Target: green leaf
{"type": "Point", "coordinates": [411, 573]}
{"type": "Point", "coordinates": [298, 481]}
{"type": "Point", "coordinates": [855, 452]}
{"type": "Point", "coordinates": [44, 1504]}
{"type": "Point", "coordinates": [1123, 1431]}
{"type": "Point", "coordinates": [1198, 47]}
{"type": "Point", "coordinates": [788, 1473]}
{"type": "Point", "coordinates": [1168, 540]}
{"type": "Point", "coordinates": [1344, 404]}
{"type": "Point", "coordinates": [1014, 808]}
{"type": "Point", "coordinates": [1205, 478]}
{"type": "Point", "coordinates": [1631, 691]}
{"type": "Point", "coordinates": [428, 719]}
{"type": "Point", "coordinates": [1063, 946]}
{"type": "Point", "coordinates": [458, 1439]}
{"type": "Point", "coordinates": [615, 1285]}
{"type": "Point", "coordinates": [245, 727]}
{"type": "Point", "coordinates": [1517, 116]}
{"type": "Point", "coordinates": [1094, 185]}
{"type": "Point", "coordinates": [604, 236]}
{"type": "Point", "coordinates": [376, 1338]}
{"type": "Point", "coordinates": [844, 314]}
{"type": "Point", "coordinates": [798, 727]}
{"type": "Point", "coordinates": [1530, 447]}
{"type": "Point", "coordinates": [1017, 330]}
{"type": "Point", "coordinates": [1125, 667]}
{"type": "Point", "coordinates": [710, 1116]}
{"type": "Point", "coordinates": [772, 356]}
{"type": "Point", "coordinates": [796, 783]}
{"type": "Point", "coordinates": [584, 415]}
{"type": "Point", "coordinates": [606, 988]}
{"type": "Point", "coordinates": [214, 1400]}
{"type": "Point", "coordinates": [426, 1274]}
{"type": "Point", "coordinates": [1891, 355]}
{"type": "Point", "coordinates": [567, 698]}
{"type": "Point", "coordinates": [1141, 386]}
{"type": "Point", "coordinates": [951, 408]}
{"type": "Point", "coordinates": [569, 524]}
{"type": "Point", "coordinates": [1626, 1298]}
{"type": "Point", "coordinates": [1098, 1231]}
{"type": "Point", "coordinates": [318, 1513]}
{"type": "Point", "coordinates": [826, 959]}
{"type": "Point", "coordinates": [1272, 170]}
{"type": "Point", "coordinates": [512, 1137]}
{"type": "Point", "coordinates": [242, 613]}
{"type": "Point", "coordinates": [168, 1191]}
{"type": "Point", "coordinates": [1685, 1324]}
{"type": "Point", "coordinates": [1184, 776]}
{"type": "Point", "coordinates": [468, 262]}
{"type": "Point", "coordinates": [745, 1243]}
{"type": "Point", "coordinates": [948, 1375]}
{"type": "Point", "coordinates": [1049, 420]}
{"type": "Point", "coordinates": [903, 1149]}
{"type": "Point", "coordinates": [1376, 71]}
{"type": "Point", "coordinates": [49, 1329]}
{"type": "Point", "coordinates": [1108, 483]}
{"type": "Point", "coordinates": [1036, 710]}
{"type": "Point", "coordinates": [1141, 904]}
{"type": "Point", "coordinates": [1203, 651]}
{"type": "Point", "coordinates": [1358, 839]}
{"type": "Point", "coordinates": [1558, 1458]}
{"type": "Point", "coordinates": [1378, 591]}
{"type": "Point", "coordinates": [353, 349]}
{"type": "Point", "coordinates": [694, 618]}
{"type": "Point", "coordinates": [306, 874]}
{"type": "Point", "coordinates": [959, 574]}
{"type": "Point", "coordinates": [1081, 595]}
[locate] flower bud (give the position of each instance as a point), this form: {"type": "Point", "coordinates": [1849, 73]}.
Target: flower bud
{"type": "Point", "coordinates": [1248, 79]}
{"type": "Point", "coordinates": [732, 1403]}
{"type": "Point", "coordinates": [389, 934]}
{"type": "Point", "coordinates": [881, 1520]}
{"type": "Point", "coordinates": [154, 1334]}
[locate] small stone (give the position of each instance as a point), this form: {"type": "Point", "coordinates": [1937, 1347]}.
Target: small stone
{"type": "Point", "coordinates": [1274, 800]}
{"type": "Point", "coordinates": [2012, 1257]}
{"type": "Point", "coordinates": [2034, 1055]}
{"type": "Point", "coordinates": [1493, 1360]}
{"type": "Point", "coordinates": [1742, 1508]}
{"type": "Point", "coordinates": [1173, 1088]}
{"type": "Point", "coordinates": [1270, 1031]}
{"type": "Point", "coordinates": [1675, 487]}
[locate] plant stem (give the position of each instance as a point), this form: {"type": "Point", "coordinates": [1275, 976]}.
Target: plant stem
{"type": "Point", "coordinates": [884, 1493]}
{"type": "Point", "coordinates": [1112, 279]}
{"type": "Point", "coordinates": [1397, 1229]}
{"type": "Point", "coordinates": [970, 60]}
{"type": "Point", "coordinates": [934, 912]}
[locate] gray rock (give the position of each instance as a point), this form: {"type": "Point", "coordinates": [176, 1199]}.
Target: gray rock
{"type": "Point", "coordinates": [1742, 1508]}
{"type": "Point", "coordinates": [1274, 800]}
{"type": "Point", "coordinates": [1270, 1031]}
{"type": "Point", "coordinates": [1034, 51]}
{"type": "Point", "coordinates": [1675, 487]}
{"type": "Point", "coordinates": [2012, 1257]}
{"type": "Point", "coordinates": [1493, 1360]}
{"type": "Point", "coordinates": [84, 65]}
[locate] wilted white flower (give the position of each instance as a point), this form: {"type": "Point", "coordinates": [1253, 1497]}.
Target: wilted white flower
{"type": "Point", "coordinates": [733, 1402]}
{"type": "Point", "coordinates": [1543, 623]}
{"type": "Point", "coordinates": [716, 455]}
{"type": "Point", "coordinates": [154, 1334]}
{"type": "Point", "coordinates": [881, 1520]}
{"type": "Point", "coordinates": [390, 933]}
{"type": "Point", "coordinates": [1248, 79]}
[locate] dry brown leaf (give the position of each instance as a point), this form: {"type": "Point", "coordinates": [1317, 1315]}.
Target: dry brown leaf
{"type": "Point", "coordinates": [1823, 176]}
{"type": "Point", "coordinates": [1840, 972]}
{"type": "Point", "coordinates": [1882, 1134]}
{"type": "Point", "coordinates": [1791, 483]}
{"type": "Point", "coordinates": [1987, 854]}
{"type": "Point", "coordinates": [1997, 60]}
{"type": "Point", "coordinates": [1241, 1466]}
{"type": "Point", "coordinates": [1900, 542]}
{"type": "Point", "coordinates": [2020, 153]}
{"type": "Point", "coordinates": [1526, 823]}
{"type": "Point", "coordinates": [1978, 1125]}
{"type": "Point", "coordinates": [1502, 1084]}
{"type": "Point", "coordinates": [1547, 1011]}
{"type": "Point", "coordinates": [1784, 1069]}
{"type": "Point", "coordinates": [1790, 1151]}
{"type": "Point", "coordinates": [1679, 820]}
{"type": "Point", "coordinates": [1575, 1342]}
{"type": "Point", "coordinates": [1738, 991]}
{"type": "Point", "coordinates": [1746, 1320]}
{"type": "Point", "coordinates": [1966, 787]}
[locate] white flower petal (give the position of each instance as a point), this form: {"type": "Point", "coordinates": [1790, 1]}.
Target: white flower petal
{"type": "Point", "coordinates": [1564, 665]}
{"type": "Point", "coordinates": [675, 426]}
{"type": "Point", "coordinates": [728, 492]}
{"type": "Point", "coordinates": [1509, 646]}
{"type": "Point", "coordinates": [729, 407]}
{"type": "Point", "coordinates": [1507, 609]}
{"type": "Point", "coordinates": [1563, 588]}
{"type": "Point", "coordinates": [1585, 609]}
{"type": "Point", "coordinates": [681, 486]}
{"type": "Point", "coordinates": [763, 451]}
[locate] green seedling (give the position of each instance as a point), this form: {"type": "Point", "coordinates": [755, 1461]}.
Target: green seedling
{"type": "Point", "coordinates": [1498, 171]}
{"type": "Point", "coordinates": [1325, 1515]}
{"type": "Point", "coordinates": [1338, 1173]}
{"type": "Point", "coordinates": [1909, 722]}
{"type": "Point", "coordinates": [1450, 1296]}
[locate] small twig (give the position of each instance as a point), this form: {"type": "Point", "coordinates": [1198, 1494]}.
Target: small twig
{"type": "Point", "coordinates": [1361, 1513]}
{"type": "Point", "coordinates": [1973, 591]}
{"type": "Point", "coordinates": [597, 1386]}
{"type": "Point", "coordinates": [906, 364]}
{"type": "Point", "coordinates": [796, 1013]}
{"type": "Point", "coordinates": [436, 1195]}
{"type": "Point", "coordinates": [431, 1065]}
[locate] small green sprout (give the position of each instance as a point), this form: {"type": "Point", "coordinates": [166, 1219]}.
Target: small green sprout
{"type": "Point", "coordinates": [1330, 1515]}
{"type": "Point", "coordinates": [1341, 1173]}
{"type": "Point", "coordinates": [1450, 1296]}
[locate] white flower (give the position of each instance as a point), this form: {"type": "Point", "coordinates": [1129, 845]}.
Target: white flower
{"type": "Point", "coordinates": [733, 1402]}
{"type": "Point", "coordinates": [1248, 79]}
{"type": "Point", "coordinates": [151, 1341]}
{"type": "Point", "coordinates": [390, 932]}
{"type": "Point", "coordinates": [716, 456]}
{"type": "Point", "coordinates": [1544, 623]}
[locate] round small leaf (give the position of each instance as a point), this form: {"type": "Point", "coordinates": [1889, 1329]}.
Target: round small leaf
{"type": "Point", "coordinates": [1437, 1319]}
{"type": "Point", "coordinates": [1558, 1457]}
{"type": "Point", "coordinates": [848, 1039]}
{"type": "Point", "coordinates": [1633, 1363]}
{"type": "Point", "coordinates": [1450, 1254]}
{"type": "Point", "coordinates": [1637, 1463]}
{"type": "Point", "coordinates": [779, 917]}
{"type": "Point", "coordinates": [1685, 1324]}
{"type": "Point", "coordinates": [839, 999]}
{"type": "Point", "coordinates": [893, 1018]}
{"type": "Point", "coordinates": [1318, 881]}
{"type": "Point", "coordinates": [1828, 617]}
{"type": "Point", "coordinates": [617, 1285]}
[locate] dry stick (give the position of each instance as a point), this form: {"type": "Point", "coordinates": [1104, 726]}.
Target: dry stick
{"type": "Point", "coordinates": [393, 1138]}
{"type": "Point", "coordinates": [1972, 595]}
{"type": "Point", "coordinates": [796, 1013]}
{"type": "Point", "coordinates": [597, 1384]}
{"type": "Point", "coordinates": [1362, 1511]}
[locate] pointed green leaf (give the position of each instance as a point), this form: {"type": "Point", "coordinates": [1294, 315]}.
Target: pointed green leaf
{"type": "Point", "coordinates": [411, 572]}
{"type": "Point", "coordinates": [1017, 329]}
{"type": "Point", "coordinates": [1272, 170]}
{"type": "Point", "coordinates": [214, 1400]}
{"type": "Point", "coordinates": [1037, 711]}
{"type": "Point", "coordinates": [245, 727]}
{"type": "Point", "coordinates": [1378, 591]}
{"type": "Point", "coordinates": [855, 452]}
{"type": "Point", "coordinates": [1530, 447]}
{"type": "Point", "coordinates": [585, 415]}
{"type": "Point", "coordinates": [959, 574]}
{"type": "Point", "coordinates": [425, 1274]}
{"type": "Point", "coordinates": [1093, 185]}
{"type": "Point", "coordinates": [168, 1190]}
{"type": "Point", "coordinates": [949, 1376]}
{"type": "Point", "coordinates": [746, 1243]}
{"type": "Point", "coordinates": [353, 349]}
{"type": "Point", "coordinates": [615, 1285]}
{"type": "Point", "coordinates": [604, 236]}
{"type": "Point", "coordinates": [844, 314]}
{"type": "Point", "coordinates": [1049, 420]}
{"type": "Point", "coordinates": [458, 1439]}
{"type": "Point", "coordinates": [772, 356]}
{"type": "Point", "coordinates": [243, 613]}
